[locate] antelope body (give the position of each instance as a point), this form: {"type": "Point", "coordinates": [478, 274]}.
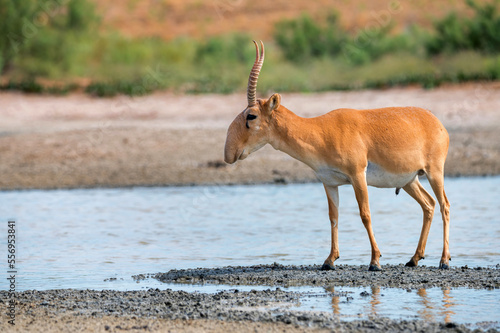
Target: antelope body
{"type": "Point", "coordinates": [388, 147]}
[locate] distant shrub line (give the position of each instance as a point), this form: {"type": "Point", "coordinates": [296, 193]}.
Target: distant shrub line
{"type": "Point", "coordinates": [480, 32]}
{"type": "Point", "coordinates": [30, 85]}
{"type": "Point", "coordinates": [134, 88]}
{"type": "Point", "coordinates": [304, 38]}
{"type": "Point", "coordinates": [57, 40]}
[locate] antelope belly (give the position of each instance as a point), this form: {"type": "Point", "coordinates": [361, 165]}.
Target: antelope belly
{"type": "Point", "coordinates": [331, 176]}
{"type": "Point", "coordinates": [378, 177]}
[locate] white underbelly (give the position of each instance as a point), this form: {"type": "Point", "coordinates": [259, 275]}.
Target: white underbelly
{"type": "Point", "coordinates": [378, 177]}
{"type": "Point", "coordinates": [375, 176]}
{"type": "Point", "coordinates": [332, 177]}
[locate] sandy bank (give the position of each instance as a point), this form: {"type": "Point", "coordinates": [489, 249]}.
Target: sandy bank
{"type": "Point", "coordinates": [166, 139]}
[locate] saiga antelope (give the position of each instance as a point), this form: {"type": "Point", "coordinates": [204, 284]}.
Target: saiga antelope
{"type": "Point", "coordinates": [388, 147]}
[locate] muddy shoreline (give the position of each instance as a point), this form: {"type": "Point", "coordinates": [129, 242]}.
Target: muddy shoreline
{"type": "Point", "coordinates": [394, 276]}
{"type": "Point", "coordinates": [233, 309]}
{"type": "Point", "coordinates": [156, 310]}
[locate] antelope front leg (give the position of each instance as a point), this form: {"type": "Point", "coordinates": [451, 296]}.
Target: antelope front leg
{"type": "Point", "coordinates": [332, 193]}
{"type": "Point", "coordinates": [361, 191]}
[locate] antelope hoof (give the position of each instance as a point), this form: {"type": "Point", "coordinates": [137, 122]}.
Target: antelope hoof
{"type": "Point", "coordinates": [411, 263]}
{"type": "Point", "coordinates": [374, 268]}
{"type": "Point", "coordinates": [327, 267]}
{"type": "Point", "coordinates": [442, 265]}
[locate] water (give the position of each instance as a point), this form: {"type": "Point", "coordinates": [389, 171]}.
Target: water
{"type": "Point", "coordinates": [459, 305]}
{"type": "Point", "coordinates": [79, 238]}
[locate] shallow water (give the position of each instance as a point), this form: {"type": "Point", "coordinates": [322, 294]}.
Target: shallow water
{"type": "Point", "coordinates": [459, 305]}
{"type": "Point", "coordinates": [81, 238]}
{"type": "Point", "coordinates": [78, 238]}
{"type": "Point", "coordinates": [478, 308]}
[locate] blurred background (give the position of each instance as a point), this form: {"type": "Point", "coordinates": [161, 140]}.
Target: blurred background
{"type": "Point", "coordinates": [135, 47]}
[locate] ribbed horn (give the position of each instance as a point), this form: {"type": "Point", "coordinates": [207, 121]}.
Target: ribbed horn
{"type": "Point", "coordinates": [254, 74]}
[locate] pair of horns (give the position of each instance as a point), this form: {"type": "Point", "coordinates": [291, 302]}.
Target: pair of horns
{"type": "Point", "coordinates": [254, 74]}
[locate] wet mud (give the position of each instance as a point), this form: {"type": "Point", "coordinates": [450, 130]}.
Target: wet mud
{"type": "Point", "coordinates": [268, 310]}
{"type": "Point", "coordinates": [394, 276]}
{"type": "Point", "coordinates": [136, 307]}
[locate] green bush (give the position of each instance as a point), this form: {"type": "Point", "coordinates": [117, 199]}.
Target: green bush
{"type": "Point", "coordinates": [480, 32]}
{"type": "Point", "coordinates": [14, 15]}
{"type": "Point", "coordinates": [28, 85]}
{"type": "Point", "coordinates": [136, 87]}
{"type": "Point", "coordinates": [223, 49]}
{"type": "Point", "coordinates": [484, 29]}
{"type": "Point", "coordinates": [43, 37]}
{"type": "Point", "coordinates": [81, 16]}
{"type": "Point", "coordinates": [450, 35]}
{"type": "Point", "coordinates": [367, 46]}
{"type": "Point", "coordinates": [303, 38]}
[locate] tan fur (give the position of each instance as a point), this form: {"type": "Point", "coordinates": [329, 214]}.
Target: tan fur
{"type": "Point", "coordinates": [385, 147]}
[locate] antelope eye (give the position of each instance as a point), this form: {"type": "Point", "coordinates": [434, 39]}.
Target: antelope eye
{"type": "Point", "coordinates": [251, 117]}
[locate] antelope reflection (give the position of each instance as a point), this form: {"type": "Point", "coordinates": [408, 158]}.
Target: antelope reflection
{"type": "Point", "coordinates": [429, 308]}
{"type": "Point", "coordinates": [444, 309]}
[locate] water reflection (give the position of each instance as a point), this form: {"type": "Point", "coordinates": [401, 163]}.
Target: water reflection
{"type": "Point", "coordinates": [477, 307]}
{"type": "Point", "coordinates": [390, 302]}
{"type": "Point", "coordinates": [430, 308]}
{"type": "Point", "coordinates": [448, 304]}
{"type": "Point", "coordinates": [375, 301]}
{"type": "Point", "coordinates": [335, 300]}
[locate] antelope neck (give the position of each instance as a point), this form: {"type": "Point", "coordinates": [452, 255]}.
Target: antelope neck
{"type": "Point", "coordinates": [294, 135]}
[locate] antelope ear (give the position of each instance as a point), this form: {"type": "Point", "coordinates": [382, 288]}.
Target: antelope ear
{"type": "Point", "coordinates": [273, 102]}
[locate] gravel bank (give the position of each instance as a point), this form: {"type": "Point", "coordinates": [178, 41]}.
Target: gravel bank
{"type": "Point", "coordinates": [395, 276]}
{"type": "Point", "coordinates": [155, 310]}
{"type": "Point", "coordinates": [269, 310]}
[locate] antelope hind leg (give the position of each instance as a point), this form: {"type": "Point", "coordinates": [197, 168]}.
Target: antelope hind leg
{"type": "Point", "coordinates": [427, 202]}
{"type": "Point", "coordinates": [332, 195]}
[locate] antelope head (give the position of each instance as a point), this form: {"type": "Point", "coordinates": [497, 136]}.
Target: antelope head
{"type": "Point", "coordinates": [250, 130]}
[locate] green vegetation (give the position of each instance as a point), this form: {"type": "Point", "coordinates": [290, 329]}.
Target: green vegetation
{"type": "Point", "coordinates": [45, 38]}
{"type": "Point", "coordinates": [60, 41]}
{"type": "Point", "coordinates": [303, 39]}
{"type": "Point", "coordinates": [455, 33]}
